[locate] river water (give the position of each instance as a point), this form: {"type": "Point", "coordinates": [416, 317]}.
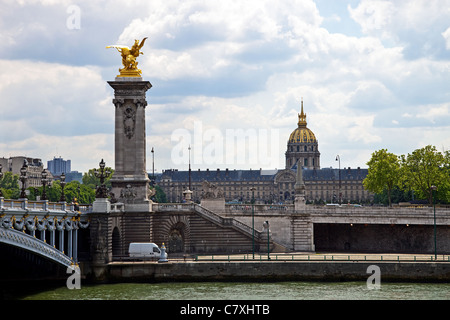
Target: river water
{"type": "Point", "coordinates": [249, 291]}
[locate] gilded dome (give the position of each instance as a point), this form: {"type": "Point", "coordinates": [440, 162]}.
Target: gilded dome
{"type": "Point", "coordinates": [302, 134]}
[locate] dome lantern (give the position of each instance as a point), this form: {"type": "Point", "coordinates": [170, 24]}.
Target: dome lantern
{"type": "Point", "coordinates": [302, 118]}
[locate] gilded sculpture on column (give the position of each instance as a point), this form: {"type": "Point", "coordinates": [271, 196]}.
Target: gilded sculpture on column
{"type": "Point", "coordinates": [129, 56]}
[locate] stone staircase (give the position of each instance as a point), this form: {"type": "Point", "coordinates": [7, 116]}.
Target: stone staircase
{"type": "Point", "coordinates": [238, 226]}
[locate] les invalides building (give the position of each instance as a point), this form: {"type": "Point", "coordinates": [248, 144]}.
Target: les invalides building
{"type": "Point", "coordinates": [275, 186]}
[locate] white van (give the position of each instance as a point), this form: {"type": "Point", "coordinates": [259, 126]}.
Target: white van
{"type": "Point", "coordinates": [144, 250]}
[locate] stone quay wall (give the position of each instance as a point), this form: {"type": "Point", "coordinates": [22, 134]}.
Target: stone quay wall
{"type": "Point", "coordinates": [278, 271]}
{"type": "Point", "coordinates": [350, 229]}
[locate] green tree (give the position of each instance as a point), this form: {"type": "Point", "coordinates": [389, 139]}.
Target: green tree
{"type": "Point", "coordinates": [160, 196]}
{"type": "Point", "coordinates": [383, 173]}
{"type": "Point", "coordinates": [82, 193]}
{"type": "Point", "coordinates": [424, 168]}
{"type": "Point", "coordinates": [445, 189]}
{"type": "Point", "coordinates": [9, 185]}
{"type": "Point", "coordinates": [89, 178]}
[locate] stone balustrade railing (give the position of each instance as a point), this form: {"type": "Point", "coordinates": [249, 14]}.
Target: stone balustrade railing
{"type": "Point", "coordinates": [42, 205]}
{"type": "Point", "coordinates": [41, 220]}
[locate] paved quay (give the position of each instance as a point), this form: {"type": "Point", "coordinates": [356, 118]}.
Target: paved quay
{"type": "Point", "coordinates": [302, 256]}
{"type": "Point", "coordinates": [286, 267]}
{"type": "Point", "coordinates": [308, 256]}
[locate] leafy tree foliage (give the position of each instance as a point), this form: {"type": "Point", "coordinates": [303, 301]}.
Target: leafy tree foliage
{"type": "Point", "coordinates": [424, 168]}
{"type": "Point", "coordinates": [160, 196]}
{"type": "Point", "coordinates": [9, 185]}
{"type": "Point", "coordinates": [383, 173]}
{"type": "Point", "coordinates": [411, 176]}
{"type": "Point", "coordinates": [83, 193]}
{"type": "Point", "coordinates": [92, 181]}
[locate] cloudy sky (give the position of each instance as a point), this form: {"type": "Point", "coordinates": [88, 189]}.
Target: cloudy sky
{"type": "Point", "coordinates": [372, 75]}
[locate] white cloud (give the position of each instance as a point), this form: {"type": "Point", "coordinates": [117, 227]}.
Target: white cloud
{"type": "Point", "coordinates": [48, 108]}
{"type": "Point", "coordinates": [373, 15]}
{"type": "Point", "coordinates": [229, 65]}
{"type": "Point", "coordinates": [446, 35]}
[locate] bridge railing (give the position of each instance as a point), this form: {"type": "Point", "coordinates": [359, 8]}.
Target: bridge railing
{"type": "Point", "coordinates": [42, 221]}
{"type": "Point", "coordinates": [44, 205]}
{"type": "Point", "coordinates": [173, 206]}
{"type": "Point", "coordinates": [259, 208]}
{"type": "Point", "coordinates": [316, 209]}
{"type": "Point", "coordinates": [273, 257]}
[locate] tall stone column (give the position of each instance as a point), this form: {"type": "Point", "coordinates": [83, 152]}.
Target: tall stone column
{"type": "Point", "coordinates": [130, 179]}
{"type": "Point", "coordinates": [299, 202]}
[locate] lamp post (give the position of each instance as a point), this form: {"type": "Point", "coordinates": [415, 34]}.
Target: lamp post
{"type": "Point", "coordinates": [153, 167]}
{"type": "Point", "coordinates": [44, 181]}
{"type": "Point", "coordinates": [338, 158]}
{"type": "Point", "coordinates": [101, 191]}
{"type": "Point", "coordinates": [253, 220]}
{"type": "Point", "coordinates": [63, 184]}
{"type": "Point", "coordinates": [1, 176]}
{"type": "Point", "coordinates": [266, 225]}
{"type": "Point", "coordinates": [23, 178]}
{"type": "Point", "coordinates": [190, 167]}
{"type": "Point", "coordinates": [433, 189]}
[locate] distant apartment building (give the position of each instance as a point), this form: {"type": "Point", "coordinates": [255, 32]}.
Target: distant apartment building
{"type": "Point", "coordinates": [34, 168]}
{"type": "Point", "coordinates": [58, 166]}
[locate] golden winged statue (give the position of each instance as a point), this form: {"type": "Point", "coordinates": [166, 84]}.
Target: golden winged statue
{"type": "Point", "coordinates": [129, 56]}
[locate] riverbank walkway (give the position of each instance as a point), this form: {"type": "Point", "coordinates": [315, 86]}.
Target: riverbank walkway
{"type": "Point", "coordinates": [301, 257]}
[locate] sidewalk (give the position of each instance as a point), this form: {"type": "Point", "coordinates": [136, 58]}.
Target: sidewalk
{"type": "Point", "coordinates": [311, 256]}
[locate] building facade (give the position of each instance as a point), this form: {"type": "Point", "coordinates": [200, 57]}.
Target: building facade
{"type": "Point", "coordinates": [58, 166]}
{"type": "Point", "coordinates": [35, 167]}
{"type": "Point", "coordinates": [275, 186]}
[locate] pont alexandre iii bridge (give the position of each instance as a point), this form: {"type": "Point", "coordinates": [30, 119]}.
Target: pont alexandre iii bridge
{"type": "Point", "coordinates": [41, 238]}
{"type": "Point", "coordinates": [99, 234]}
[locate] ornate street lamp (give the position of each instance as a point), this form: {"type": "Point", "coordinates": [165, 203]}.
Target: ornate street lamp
{"type": "Point", "coordinates": [253, 220]}
{"type": "Point", "coordinates": [23, 178]}
{"type": "Point", "coordinates": [1, 176]}
{"type": "Point", "coordinates": [190, 187]}
{"type": "Point", "coordinates": [44, 181]}
{"type": "Point", "coordinates": [63, 184]}
{"type": "Point", "coordinates": [152, 181]}
{"type": "Point", "coordinates": [433, 189]}
{"type": "Point", "coordinates": [266, 225]}
{"type": "Point", "coordinates": [101, 191]}
{"type": "Point", "coordinates": [340, 193]}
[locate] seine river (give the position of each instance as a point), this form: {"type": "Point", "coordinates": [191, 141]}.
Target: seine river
{"type": "Point", "coordinates": [249, 291]}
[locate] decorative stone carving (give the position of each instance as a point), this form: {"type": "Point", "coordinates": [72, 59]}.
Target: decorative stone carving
{"type": "Point", "coordinates": [129, 121]}
{"type": "Point", "coordinates": [128, 193]}
{"type": "Point", "coordinates": [211, 191]}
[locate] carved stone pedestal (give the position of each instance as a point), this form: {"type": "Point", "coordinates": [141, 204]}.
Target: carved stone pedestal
{"type": "Point", "coordinates": [130, 182]}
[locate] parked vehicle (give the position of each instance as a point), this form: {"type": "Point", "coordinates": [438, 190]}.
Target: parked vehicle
{"type": "Point", "coordinates": [144, 250]}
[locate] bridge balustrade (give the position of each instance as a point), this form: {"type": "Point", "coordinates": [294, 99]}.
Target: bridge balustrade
{"type": "Point", "coordinates": [46, 219]}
